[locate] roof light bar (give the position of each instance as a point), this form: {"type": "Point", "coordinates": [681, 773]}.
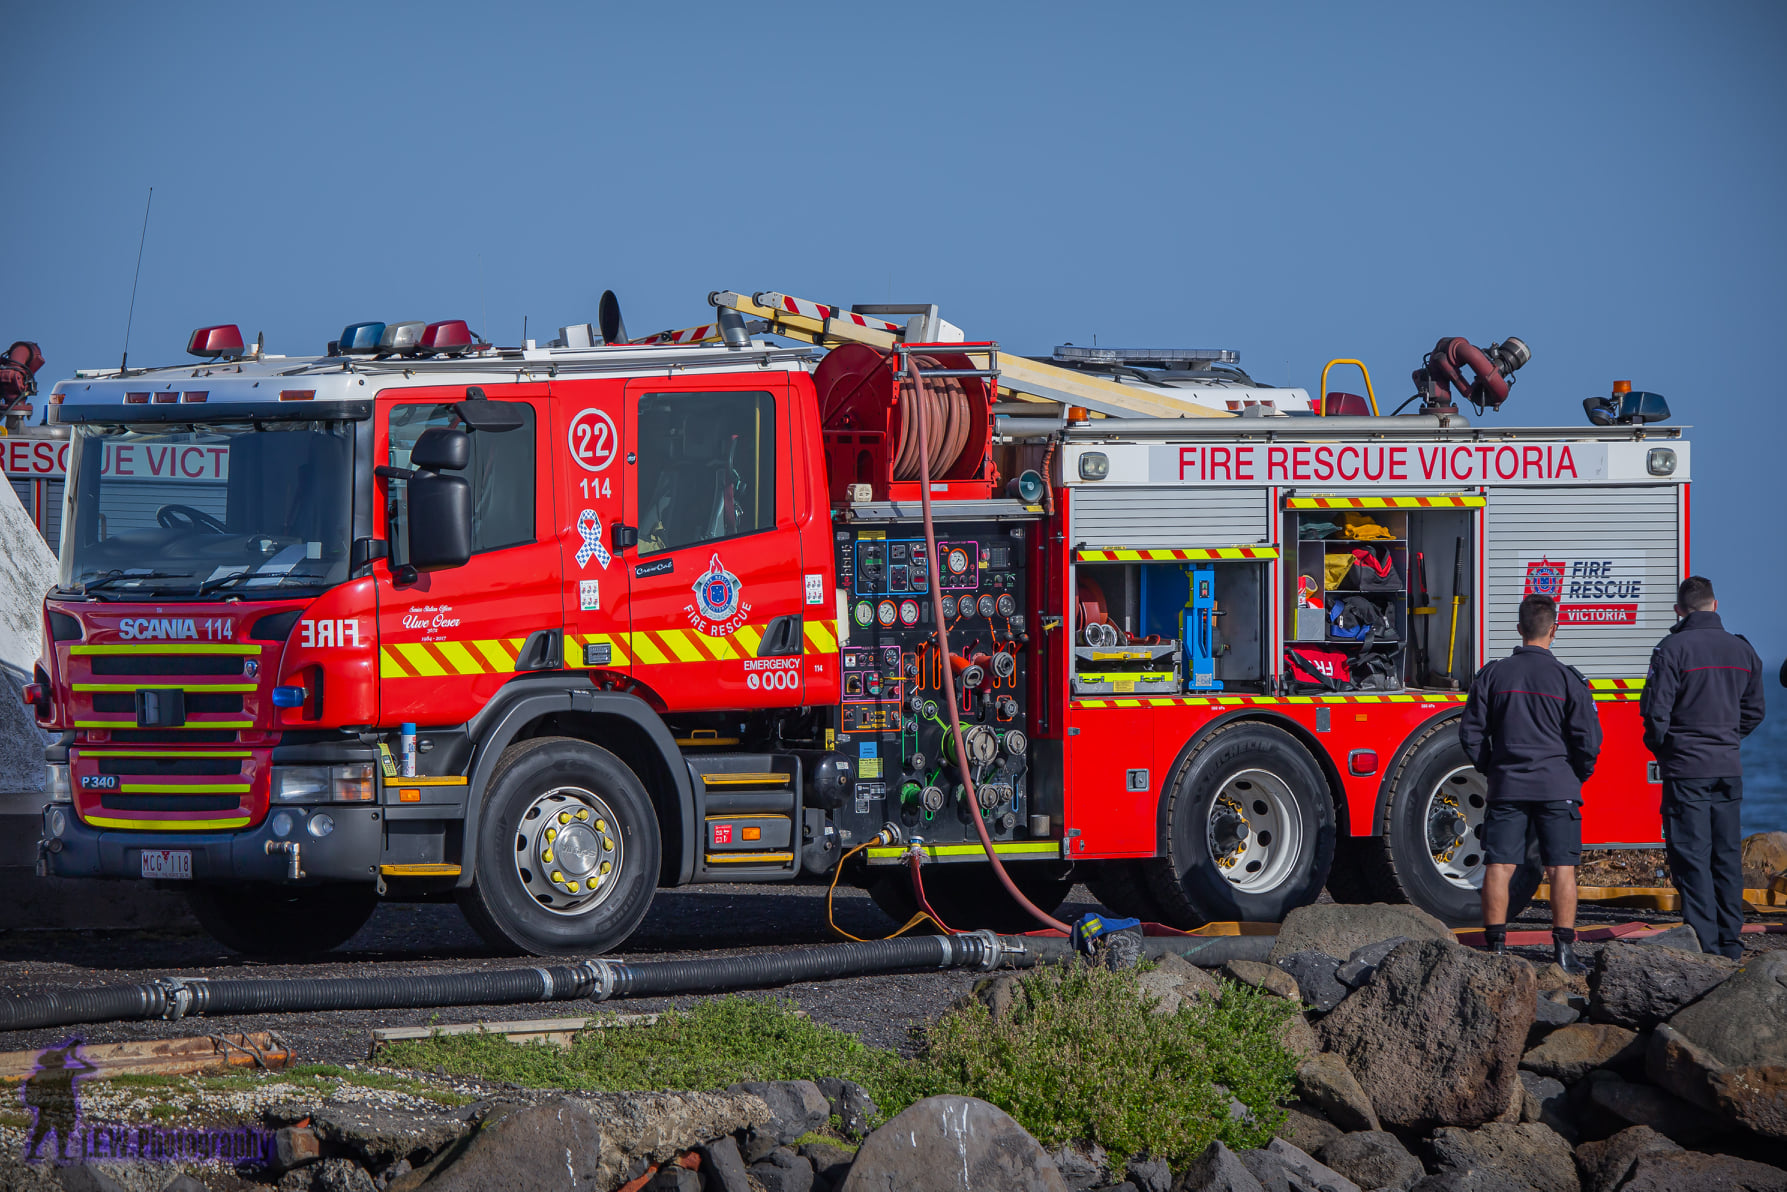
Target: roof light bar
{"type": "Point", "coordinates": [360, 339]}
{"type": "Point", "coordinates": [450, 337]}
{"type": "Point", "coordinates": [223, 340]}
{"type": "Point", "coordinates": [401, 339]}
{"type": "Point", "coordinates": [1159, 357]}
{"type": "Point", "coordinates": [297, 394]}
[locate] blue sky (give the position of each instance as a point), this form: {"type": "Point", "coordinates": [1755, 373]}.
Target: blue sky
{"type": "Point", "coordinates": [1295, 181]}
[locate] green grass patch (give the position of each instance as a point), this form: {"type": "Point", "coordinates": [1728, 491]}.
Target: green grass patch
{"type": "Point", "coordinates": [1080, 1057]}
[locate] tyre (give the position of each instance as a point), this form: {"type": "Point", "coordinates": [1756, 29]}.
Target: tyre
{"type": "Point", "coordinates": [282, 922]}
{"type": "Point", "coordinates": [970, 896]}
{"type": "Point", "coordinates": [1122, 887]}
{"type": "Point", "coordinates": [567, 851]}
{"type": "Point", "coordinates": [1250, 830]}
{"type": "Point", "coordinates": [1431, 846]}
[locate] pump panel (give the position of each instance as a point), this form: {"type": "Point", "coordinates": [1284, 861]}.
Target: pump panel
{"type": "Point", "coordinates": [893, 719]}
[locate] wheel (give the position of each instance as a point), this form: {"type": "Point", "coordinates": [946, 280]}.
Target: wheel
{"type": "Point", "coordinates": [1361, 870]}
{"type": "Point", "coordinates": [1431, 846]}
{"type": "Point", "coordinates": [567, 851]}
{"type": "Point", "coordinates": [282, 922]}
{"type": "Point", "coordinates": [969, 896]}
{"type": "Point", "coordinates": [1122, 886]}
{"type": "Point", "coordinates": [1250, 830]}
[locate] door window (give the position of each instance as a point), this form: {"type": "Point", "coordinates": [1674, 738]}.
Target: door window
{"type": "Point", "coordinates": [501, 474]}
{"type": "Point", "coordinates": [707, 468]}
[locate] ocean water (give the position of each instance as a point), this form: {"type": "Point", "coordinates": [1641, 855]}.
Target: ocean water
{"type": "Point", "coordinates": [1765, 766]}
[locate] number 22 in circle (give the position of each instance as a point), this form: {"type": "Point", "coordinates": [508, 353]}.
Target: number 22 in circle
{"type": "Point", "coordinates": [593, 440]}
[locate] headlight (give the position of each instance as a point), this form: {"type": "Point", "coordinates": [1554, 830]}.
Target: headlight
{"type": "Point", "coordinates": [350, 783]}
{"type": "Point", "coordinates": [55, 822]}
{"type": "Point", "coordinates": [56, 784]}
{"type": "Point", "coordinates": [1660, 461]}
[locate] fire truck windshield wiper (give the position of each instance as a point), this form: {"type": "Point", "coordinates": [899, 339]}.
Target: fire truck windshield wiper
{"type": "Point", "coordinates": [119, 575]}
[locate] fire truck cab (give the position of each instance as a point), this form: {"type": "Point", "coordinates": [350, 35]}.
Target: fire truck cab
{"type": "Point", "coordinates": [543, 629]}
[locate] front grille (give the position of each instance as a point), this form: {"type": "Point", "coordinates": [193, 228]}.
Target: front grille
{"type": "Point", "coordinates": [167, 664]}
{"type": "Point", "coordinates": [169, 803]}
{"type": "Point", "coordinates": [196, 701]}
{"type": "Point", "coordinates": [147, 766]}
{"type": "Point", "coordinates": [159, 736]}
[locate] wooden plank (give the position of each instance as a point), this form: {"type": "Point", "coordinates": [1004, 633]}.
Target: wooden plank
{"type": "Point", "coordinates": [160, 1057]}
{"type": "Point", "coordinates": [560, 1032]}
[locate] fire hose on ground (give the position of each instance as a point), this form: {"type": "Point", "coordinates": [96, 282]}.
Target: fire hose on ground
{"type": "Point", "coordinates": [591, 980]}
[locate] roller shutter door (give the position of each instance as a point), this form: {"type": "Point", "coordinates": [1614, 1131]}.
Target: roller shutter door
{"type": "Point", "coordinates": [1170, 516]}
{"type": "Point", "coordinates": [1619, 551]}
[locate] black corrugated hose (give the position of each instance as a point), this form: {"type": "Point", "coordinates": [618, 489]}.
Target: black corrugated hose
{"type": "Point", "coordinates": [598, 980]}
{"type": "Point", "coordinates": [595, 980]}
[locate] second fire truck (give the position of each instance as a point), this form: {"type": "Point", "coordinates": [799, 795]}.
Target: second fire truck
{"type": "Point", "coordinates": [543, 629]}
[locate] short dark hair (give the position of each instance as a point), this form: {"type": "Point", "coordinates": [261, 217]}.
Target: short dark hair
{"type": "Point", "coordinates": [1538, 614]}
{"type": "Point", "coordinates": [1695, 594]}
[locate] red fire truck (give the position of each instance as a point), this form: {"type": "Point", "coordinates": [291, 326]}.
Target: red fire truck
{"type": "Point", "coordinates": [542, 629]}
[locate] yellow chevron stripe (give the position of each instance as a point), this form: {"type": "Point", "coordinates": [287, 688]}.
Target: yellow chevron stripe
{"type": "Point", "coordinates": [682, 644]}
{"type": "Point", "coordinates": [419, 659]}
{"type": "Point", "coordinates": [749, 637]}
{"type": "Point", "coordinates": [388, 665]}
{"type": "Point", "coordinates": [821, 638]}
{"type": "Point", "coordinates": [720, 647]}
{"type": "Point", "coordinates": [459, 659]}
{"type": "Point", "coordinates": [497, 655]}
{"type": "Point", "coordinates": [646, 650]}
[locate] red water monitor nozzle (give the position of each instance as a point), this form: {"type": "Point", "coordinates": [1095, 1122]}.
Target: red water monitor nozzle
{"type": "Point", "coordinates": [1493, 368]}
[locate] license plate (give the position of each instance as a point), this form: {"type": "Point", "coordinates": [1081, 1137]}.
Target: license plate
{"type": "Point", "coordinates": [167, 863]}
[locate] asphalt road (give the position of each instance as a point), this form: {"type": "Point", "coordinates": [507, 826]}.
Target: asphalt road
{"type": "Point", "coordinates": [399, 939]}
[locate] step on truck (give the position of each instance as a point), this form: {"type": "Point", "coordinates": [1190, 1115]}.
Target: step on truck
{"type": "Point", "coordinates": [544, 629]}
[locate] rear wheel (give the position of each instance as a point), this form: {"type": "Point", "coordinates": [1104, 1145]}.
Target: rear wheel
{"type": "Point", "coordinates": [1432, 844]}
{"type": "Point", "coordinates": [1250, 830]}
{"type": "Point", "coordinates": [282, 922]}
{"type": "Point", "coordinates": [970, 896]}
{"type": "Point", "coordinates": [567, 851]}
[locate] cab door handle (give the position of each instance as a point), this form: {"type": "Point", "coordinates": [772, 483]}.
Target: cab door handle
{"type": "Point", "coordinates": [621, 537]}
{"type": "Point", "coordinates": [783, 637]}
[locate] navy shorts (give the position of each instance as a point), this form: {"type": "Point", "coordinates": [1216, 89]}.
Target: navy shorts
{"type": "Point", "coordinates": [1557, 824]}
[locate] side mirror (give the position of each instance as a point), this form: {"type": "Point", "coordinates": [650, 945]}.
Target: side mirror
{"type": "Point", "coordinates": [440, 512]}
{"type": "Point", "coordinates": [440, 449]}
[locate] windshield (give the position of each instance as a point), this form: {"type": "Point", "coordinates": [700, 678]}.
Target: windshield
{"type": "Point", "coordinates": [208, 509]}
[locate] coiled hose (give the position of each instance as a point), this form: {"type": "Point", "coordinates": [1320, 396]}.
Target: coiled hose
{"type": "Point", "coordinates": [598, 980]}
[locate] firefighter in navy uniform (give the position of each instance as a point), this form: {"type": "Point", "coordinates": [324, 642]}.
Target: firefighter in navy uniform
{"type": "Point", "coordinates": [1529, 725]}
{"type": "Point", "coordinates": [1702, 696]}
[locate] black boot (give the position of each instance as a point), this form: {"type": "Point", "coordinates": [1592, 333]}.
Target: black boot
{"type": "Point", "coordinates": [1563, 947]}
{"type": "Point", "coordinates": [1495, 938]}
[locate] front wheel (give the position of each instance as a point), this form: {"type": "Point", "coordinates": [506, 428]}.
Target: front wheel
{"type": "Point", "coordinates": [567, 851]}
{"type": "Point", "coordinates": [1250, 829]}
{"type": "Point", "coordinates": [282, 922]}
{"type": "Point", "coordinates": [1433, 836]}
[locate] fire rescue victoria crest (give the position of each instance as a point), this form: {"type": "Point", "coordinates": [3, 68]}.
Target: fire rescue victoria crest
{"type": "Point", "coordinates": [719, 607]}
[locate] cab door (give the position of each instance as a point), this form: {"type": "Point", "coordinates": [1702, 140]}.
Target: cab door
{"type": "Point", "coordinates": [449, 639]}
{"type": "Point", "coordinates": [712, 550]}
{"type": "Point", "coordinates": [592, 415]}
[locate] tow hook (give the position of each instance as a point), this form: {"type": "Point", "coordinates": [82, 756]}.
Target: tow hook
{"type": "Point", "coordinates": [294, 867]}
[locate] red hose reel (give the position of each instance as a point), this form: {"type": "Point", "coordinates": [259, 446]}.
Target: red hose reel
{"type": "Point", "coordinates": [868, 410]}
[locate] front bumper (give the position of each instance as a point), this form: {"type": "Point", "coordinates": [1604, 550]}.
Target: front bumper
{"type": "Point", "coordinates": [350, 853]}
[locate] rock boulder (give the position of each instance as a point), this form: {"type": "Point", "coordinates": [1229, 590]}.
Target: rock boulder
{"type": "Point", "coordinates": [1173, 981]}
{"type": "Point", "coordinates": [1639, 985]}
{"type": "Point", "coordinates": [1372, 1159]}
{"type": "Point", "coordinates": [1269, 977]}
{"type": "Point", "coordinates": [1572, 1052]}
{"type": "Point", "coordinates": [1313, 972]}
{"type": "Point", "coordinates": [1324, 1081]}
{"type": "Point", "coordinates": [1339, 929]}
{"type": "Point", "coordinates": [1435, 1036]}
{"type": "Point", "coordinates": [1533, 1154]}
{"type": "Point", "coordinates": [1728, 1051]}
{"type": "Point", "coordinates": [951, 1143]}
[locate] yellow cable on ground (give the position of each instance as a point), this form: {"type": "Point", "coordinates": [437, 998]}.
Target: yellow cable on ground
{"type": "Point", "coordinates": [837, 873]}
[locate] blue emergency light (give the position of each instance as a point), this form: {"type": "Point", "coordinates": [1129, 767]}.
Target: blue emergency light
{"type": "Point", "coordinates": [289, 697]}
{"type": "Point", "coordinates": [361, 338]}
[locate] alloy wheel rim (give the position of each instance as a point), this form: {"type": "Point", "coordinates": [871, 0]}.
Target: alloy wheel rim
{"type": "Point", "coordinates": [568, 851]}
{"type": "Point", "coordinates": [1453, 820]}
{"type": "Point", "coordinates": [1254, 832]}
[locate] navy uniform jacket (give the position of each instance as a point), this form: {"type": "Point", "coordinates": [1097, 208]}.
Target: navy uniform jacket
{"type": "Point", "coordinates": [1702, 696]}
{"type": "Point", "coordinates": [1530, 726]}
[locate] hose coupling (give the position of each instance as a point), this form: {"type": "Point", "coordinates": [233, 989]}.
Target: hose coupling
{"type": "Point", "coordinates": [600, 976]}
{"type": "Point", "coordinates": [990, 949]}
{"type": "Point", "coordinates": [181, 996]}
{"type": "Point", "coordinates": [890, 833]}
{"type": "Point", "coordinates": [294, 865]}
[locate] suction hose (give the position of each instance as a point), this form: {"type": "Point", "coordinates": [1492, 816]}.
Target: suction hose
{"type": "Point", "coordinates": [595, 980]}
{"type": "Point", "coordinates": [949, 681]}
